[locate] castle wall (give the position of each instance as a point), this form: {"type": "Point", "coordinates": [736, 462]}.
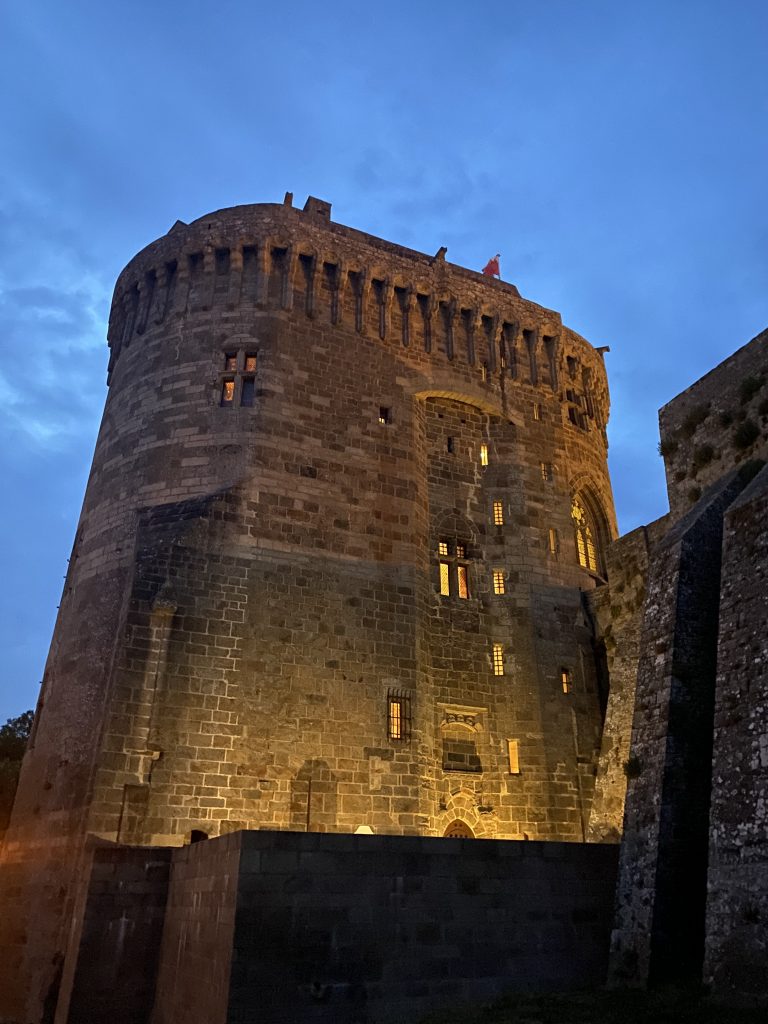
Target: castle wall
{"type": "Point", "coordinates": [737, 900]}
{"type": "Point", "coordinates": [253, 579]}
{"type": "Point", "coordinates": [719, 422]}
{"type": "Point", "coordinates": [280, 927]}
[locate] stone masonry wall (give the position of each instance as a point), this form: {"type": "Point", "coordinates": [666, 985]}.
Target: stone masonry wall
{"type": "Point", "coordinates": [716, 423]}
{"type": "Point", "coordinates": [737, 903]}
{"type": "Point", "coordinates": [285, 927]}
{"type": "Point", "coordinates": [251, 579]}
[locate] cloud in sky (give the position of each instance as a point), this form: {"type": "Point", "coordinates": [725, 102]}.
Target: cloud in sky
{"type": "Point", "coordinates": [614, 153]}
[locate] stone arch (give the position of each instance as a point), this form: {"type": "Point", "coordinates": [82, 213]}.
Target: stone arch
{"type": "Point", "coordinates": [463, 804]}
{"type": "Point", "coordinates": [591, 527]}
{"type": "Point", "coordinates": [458, 829]}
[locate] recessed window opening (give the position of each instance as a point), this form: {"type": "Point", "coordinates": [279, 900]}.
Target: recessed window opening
{"type": "Point", "coordinates": [463, 581]}
{"type": "Point", "coordinates": [513, 756]}
{"type": "Point", "coordinates": [498, 513]}
{"type": "Point", "coordinates": [445, 579]}
{"type": "Point", "coordinates": [398, 716]}
{"type": "Point", "coordinates": [248, 391]}
{"type": "Point", "coordinates": [197, 835]}
{"type": "Point", "coordinates": [442, 547]}
{"type": "Point", "coordinates": [227, 392]}
{"type": "Point", "coordinates": [498, 581]}
{"type": "Point", "coordinates": [566, 680]}
{"type": "Point", "coordinates": [461, 550]}
{"type": "Point", "coordinates": [553, 541]}
{"type": "Point", "coordinates": [230, 361]}
{"type": "Point", "coordinates": [546, 472]}
{"type": "Point", "coordinates": [483, 454]}
{"type": "Point", "coordinates": [249, 364]}
{"type": "Point", "coordinates": [454, 574]}
{"type": "Point", "coordinates": [385, 415]}
{"type": "Point", "coordinates": [537, 411]}
{"type": "Point", "coordinates": [585, 537]}
{"type": "Point", "coordinates": [449, 445]}
{"type": "Point", "coordinates": [498, 659]}
{"type": "Point", "coordinates": [484, 372]}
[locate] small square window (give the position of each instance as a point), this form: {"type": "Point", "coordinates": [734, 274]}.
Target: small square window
{"type": "Point", "coordinates": [230, 361]}
{"type": "Point", "coordinates": [385, 415]}
{"type": "Point", "coordinates": [250, 362]}
{"type": "Point", "coordinates": [483, 454]}
{"type": "Point", "coordinates": [227, 392]}
{"type": "Point", "coordinates": [248, 391]}
{"type": "Point", "coordinates": [498, 659]}
{"type": "Point", "coordinates": [498, 513]}
{"type": "Point", "coordinates": [498, 581]}
{"type": "Point", "coordinates": [566, 680]}
{"type": "Point", "coordinates": [442, 547]}
{"type": "Point", "coordinates": [463, 580]}
{"type": "Point", "coordinates": [537, 411]}
{"type": "Point", "coordinates": [445, 579]}
{"type": "Point", "coordinates": [461, 550]}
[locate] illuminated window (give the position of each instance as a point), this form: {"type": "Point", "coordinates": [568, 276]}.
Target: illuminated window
{"type": "Point", "coordinates": [398, 716]}
{"type": "Point", "coordinates": [385, 415]}
{"type": "Point", "coordinates": [463, 578]}
{"type": "Point", "coordinates": [553, 541]}
{"type": "Point", "coordinates": [566, 680]}
{"type": "Point", "coordinates": [498, 513]}
{"type": "Point", "coordinates": [250, 363]}
{"type": "Point", "coordinates": [483, 454]}
{"type": "Point", "coordinates": [546, 471]}
{"type": "Point", "coordinates": [445, 579]}
{"type": "Point", "coordinates": [585, 537]}
{"type": "Point", "coordinates": [461, 550]}
{"type": "Point", "coordinates": [513, 754]}
{"type": "Point", "coordinates": [442, 547]}
{"type": "Point", "coordinates": [230, 362]}
{"type": "Point", "coordinates": [498, 581]}
{"type": "Point", "coordinates": [537, 411]}
{"type": "Point", "coordinates": [484, 372]}
{"type": "Point", "coordinates": [238, 379]}
{"type": "Point", "coordinates": [227, 392]}
{"type": "Point", "coordinates": [498, 659]}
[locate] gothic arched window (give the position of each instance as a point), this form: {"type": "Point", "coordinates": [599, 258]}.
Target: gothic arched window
{"type": "Point", "coordinates": [586, 537]}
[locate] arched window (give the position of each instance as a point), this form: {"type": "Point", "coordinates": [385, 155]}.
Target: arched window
{"type": "Point", "coordinates": [458, 830]}
{"type": "Point", "coordinates": [586, 537]}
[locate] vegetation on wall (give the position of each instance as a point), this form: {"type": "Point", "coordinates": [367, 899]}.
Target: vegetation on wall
{"type": "Point", "coordinates": [13, 742]}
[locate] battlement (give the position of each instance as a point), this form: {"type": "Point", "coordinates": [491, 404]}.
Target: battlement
{"type": "Point", "coordinates": [276, 257]}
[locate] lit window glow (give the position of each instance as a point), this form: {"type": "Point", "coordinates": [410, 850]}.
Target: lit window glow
{"type": "Point", "coordinates": [461, 571]}
{"type": "Point", "coordinates": [227, 392]}
{"type": "Point", "coordinates": [498, 581]}
{"type": "Point", "coordinates": [498, 659]}
{"type": "Point", "coordinates": [513, 753]}
{"type": "Point", "coordinates": [565, 679]}
{"type": "Point", "coordinates": [445, 579]}
{"type": "Point", "coordinates": [585, 542]}
{"type": "Point", "coordinates": [498, 513]}
{"type": "Point", "coordinates": [483, 454]}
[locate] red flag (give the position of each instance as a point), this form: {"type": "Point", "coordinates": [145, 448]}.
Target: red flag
{"type": "Point", "coordinates": [491, 268]}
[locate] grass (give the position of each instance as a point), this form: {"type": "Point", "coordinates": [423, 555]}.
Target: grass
{"type": "Point", "coordinates": [626, 1006]}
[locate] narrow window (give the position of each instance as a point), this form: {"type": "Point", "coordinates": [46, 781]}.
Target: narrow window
{"type": "Point", "coordinates": [230, 361]}
{"type": "Point", "coordinates": [248, 391]}
{"type": "Point", "coordinates": [445, 579]}
{"type": "Point", "coordinates": [546, 472]}
{"type": "Point", "coordinates": [449, 444]}
{"type": "Point", "coordinates": [442, 547]}
{"type": "Point", "coordinates": [553, 541]}
{"type": "Point", "coordinates": [463, 579]}
{"type": "Point", "coordinates": [250, 362]}
{"type": "Point", "coordinates": [566, 680]}
{"type": "Point", "coordinates": [483, 454]}
{"type": "Point", "coordinates": [537, 411]}
{"type": "Point", "coordinates": [398, 716]}
{"type": "Point", "coordinates": [227, 392]}
{"type": "Point", "coordinates": [498, 659]}
{"type": "Point", "coordinates": [385, 415]}
{"type": "Point", "coordinates": [484, 372]}
{"type": "Point", "coordinates": [395, 719]}
{"type": "Point", "coordinates": [498, 513]}
{"type": "Point", "coordinates": [513, 754]}
{"type": "Point", "coordinates": [498, 581]}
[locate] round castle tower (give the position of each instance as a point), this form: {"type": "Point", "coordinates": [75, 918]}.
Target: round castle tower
{"type": "Point", "coordinates": [328, 574]}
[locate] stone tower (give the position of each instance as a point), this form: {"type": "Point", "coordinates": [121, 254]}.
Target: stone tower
{"type": "Point", "coordinates": [329, 573]}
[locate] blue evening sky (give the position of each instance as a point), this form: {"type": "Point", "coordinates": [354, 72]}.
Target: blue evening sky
{"type": "Point", "coordinates": [613, 151]}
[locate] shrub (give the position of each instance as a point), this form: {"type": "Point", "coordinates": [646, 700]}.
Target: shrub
{"type": "Point", "coordinates": [749, 388]}
{"type": "Point", "coordinates": [667, 448]}
{"type": "Point", "coordinates": [702, 455]}
{"type": "Point", "coordinates": [746, 434]}
{"type": "Point", "coordinates": [694, 419]}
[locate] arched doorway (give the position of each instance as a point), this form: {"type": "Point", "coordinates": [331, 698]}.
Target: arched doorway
{"type": "Point", "coordinates": [458, 830]}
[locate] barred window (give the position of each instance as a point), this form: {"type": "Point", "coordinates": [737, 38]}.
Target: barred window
{"type": "Point", "coordinates": [442, 547]}
{"type": "Point", "coordinates": [399, 716]}
{"type": "Point", "coordinates": [498, 659]}
{"type": "Point", "coordinates": [463, 581]}
{"type": "Point", "coordinates": [498, 581]}
{"type": "Point", "coordinates": [566, 679]}
{"type": "Point", "coordinates": [546, 472]}
{"type": "Point", "coordinates": [498, 513]}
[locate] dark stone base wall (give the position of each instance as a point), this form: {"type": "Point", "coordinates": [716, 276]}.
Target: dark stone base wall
{"type": "Point", "coordinates": [285, 927]}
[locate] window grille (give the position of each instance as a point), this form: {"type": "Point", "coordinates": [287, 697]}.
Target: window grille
{"type": "Point", "coordinates": [498, 581]}
{"type": "Point", "coordinates": [445, 579]}
{"type": "Point", "coordinates": [399, 716]}
{"type": "Point", "coordinates": [498, 659]}
{"type": "Point", "coordinates": [566, 680]}
{"type": "Point", "coordinates": [498, 513]}
{"type": "Point", "coordinates": [463, 580]}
